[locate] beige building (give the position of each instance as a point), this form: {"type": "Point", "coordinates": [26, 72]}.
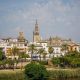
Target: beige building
{"type": "Point", "coordinates": [36, 35]}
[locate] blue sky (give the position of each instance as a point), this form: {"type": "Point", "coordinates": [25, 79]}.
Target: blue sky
{"type": "Point", "coordinates": [55, 18]}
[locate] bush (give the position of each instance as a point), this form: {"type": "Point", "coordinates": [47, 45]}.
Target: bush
{"type": "Point", "coordinates": [55, 61]}
{"type": "Point", "coordinates": [43, 62]}
{"type": "Point", "coordinates": [35, 71]}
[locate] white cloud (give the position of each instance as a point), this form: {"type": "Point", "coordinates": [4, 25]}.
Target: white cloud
{"type": "Point", "coordinates": [55, 17]}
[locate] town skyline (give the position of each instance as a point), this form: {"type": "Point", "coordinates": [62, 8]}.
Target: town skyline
{"type": "Point", "coordinates": [55, 18]}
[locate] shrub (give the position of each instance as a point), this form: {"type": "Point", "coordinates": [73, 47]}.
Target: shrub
{"type": "Point", "coordinates": [55, 61]}
{"type": "Point", "coordinates": [35, 71]}
{"type": "Point", "coordinates": [43, 62]}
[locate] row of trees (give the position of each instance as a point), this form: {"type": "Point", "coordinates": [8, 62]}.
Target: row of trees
{"type": "Point", "coordinates": [32, 49]}
{"type": "Point", "coordinates": [71, 59]}
{"type": "Point", "coordinates": [12, 63]}
{"type": "Point", "coordinates": [42, 51]}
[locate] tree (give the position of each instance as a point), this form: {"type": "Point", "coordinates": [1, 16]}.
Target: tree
{"type": "Point", "coordinates": [2, 55]}
{"type": "Point", "coordinates": [56, 61]}
{"type": "Point", "coordinates": [35, 71]}
{"type": "Point", "coordinates": [50, 50]}
{"type": "Point", "coordinates": [15, 51]}
{"type": "Point", "coordinates": [64, 47]}
{"type": "Point", "coordinates": [21, 56]}
{"type": "Point", "coordinates": [40, 51]}
{"type": "Point", "coordinates": [10, 63]}
{"type": "Point", "coordinates": [32, 49]}
{"type": "Point", "coordinates": [44, 55]}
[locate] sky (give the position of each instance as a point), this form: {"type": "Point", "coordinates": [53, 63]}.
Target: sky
{"type": "Point", "coordinates": [55, 18]}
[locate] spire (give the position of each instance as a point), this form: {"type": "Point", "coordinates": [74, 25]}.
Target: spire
{"type": "Point", "coordinates": [36, 28]}
{"type": "Point", "coordinates": [36, 36]}
{"type": "Point", "coordinates": [36, 21]}
{"type": "Point", "coordinates": [50, 39]}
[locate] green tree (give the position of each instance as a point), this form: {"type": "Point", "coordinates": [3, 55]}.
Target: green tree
{"type": "Point", "coordinates": [64, 47]}
{"type": "Point", "coordinates": [10, 63]}
{"type": "Point", "coordinates": [35, 71]}
{"type": "Point", "coordinates": [23, 55]}
{"type": "Point", "coordinates": [15, 51]}
{"type": "Point", "coordinates": [40, 51]}
{"type": "Point", "coordinates": [1, 54]}
{"type": "Point", "coordinates": [50, 50]}
{"type": "Point", "coordinates": [32, 49]}
{"type": "Point", "coordinates": [56, 61]}
{"type": "Point", "coordinates": [44, 55]}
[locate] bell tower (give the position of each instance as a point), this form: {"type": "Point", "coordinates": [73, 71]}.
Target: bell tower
{"type": "Point", "coordinates": [36, 36]}
{"type": "Point", "coordinates": [21, 37]}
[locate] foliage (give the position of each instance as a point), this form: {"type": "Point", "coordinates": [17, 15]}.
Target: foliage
{"type": "Point", "coordinates": [35, 71]}
{"type": "Point", "coordinates": [71, 59]}
{"type": "Point", "coordinates": [40, 51]}
{"type": "Point", "coordinates": [44, 55]}
{"type": "Point", "coordinates": [2, 56]}
{"type": "Point", "coordinates": [64, 73]}
{"type": "Point", "coordinates": [23, 55]}
{"type": "Point", "coordinates": [32, 49]}
{"type": "Point", "coordinates": [43, 62]}
{"type": "Point", "coordinates": [11, 75]}
{"type": "Point", "coordinates": [50, 50]}
{"type": "Point", "coordinates": [64, 47]}
{"type": "Point", "coordinates": [55, 61]}
{"type": "Point", "coordinates": [15, 51]}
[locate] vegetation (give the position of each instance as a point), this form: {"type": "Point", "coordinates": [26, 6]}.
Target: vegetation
{"type": "Point", "coordinates": [2, 55]}
{"type": "Point", "coordinates": [35, 71]}
{"type": "Point", "coordinates": [64, 73]}
{"type": "Point", "coordinates": [50, 50]}
{"type": "Point", "coordinates": [32, 49]}
{"type": "Point", "coordinates": [40, 51]}
{"type": "Point", "coordinates": [71, 59]}
{"type": "Point", "coordinates": [71, 74]}
{"type": "Point", "coordinates": [43, 62]}
{"type": "Point", "coordinates": [15, 51]}
{"type": "Point", "coordinates": [65, 48]}
{"type": "Point", "coordinates": [11, 75]}
{"type": "Point", "coordinates": [44, 55]}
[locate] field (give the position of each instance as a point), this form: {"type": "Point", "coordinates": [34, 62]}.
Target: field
{"type": "Point", "coordinates": [18, 74]}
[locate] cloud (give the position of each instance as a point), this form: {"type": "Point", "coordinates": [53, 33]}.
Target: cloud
{"type": "Point", "coordinates": [55, 17]}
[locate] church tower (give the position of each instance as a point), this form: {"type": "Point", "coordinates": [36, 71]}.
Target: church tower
{"type": "Point", "coordinates": [36, 35]}
{"type": "Point", "coordinates": [21, 37]}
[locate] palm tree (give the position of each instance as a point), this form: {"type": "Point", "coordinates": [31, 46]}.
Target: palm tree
{"type": "Point", "coordinates": [15, 51]}
{"type": "Point", "coordinates": [40, 51]}
{"type": "Point", "coordinates": [32, 49]}
{"type": "Point", "coordinates": [50, 50]}
{"type": "Point", "coordinates": [44, 55]}
{"type": "Point", "coordinates": [64, 47]}
{"type": "Point", "coordinates": [1, 54]}
{"type": "Point", "coordinates": [21, 56]}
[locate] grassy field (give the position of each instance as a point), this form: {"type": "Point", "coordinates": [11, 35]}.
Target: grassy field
{"type": "Point", "coordinates": [11, 75]}
{"type": "Point", "coordinates": [18, 74]}
{"type": "Point", "coordinates": [64, 73]}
